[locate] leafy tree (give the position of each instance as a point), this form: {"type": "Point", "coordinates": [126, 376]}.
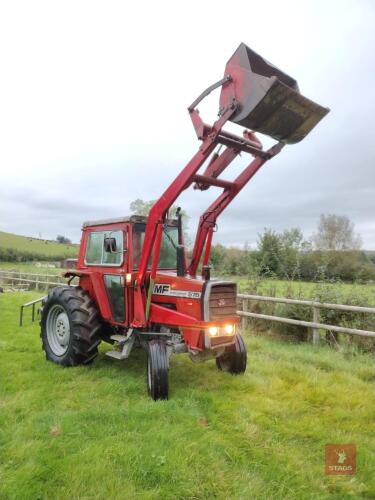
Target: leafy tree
{"type": "Point", "coordinates": [142, 207]}
{"type": "Point", "coordinates": [291, 241]}
{"type": "Point", "coordinates": [233, 261]}
{"type": "Point", "coordinates": [217, 257]}
{"type": "Point", "coordinates": [336, 232]}
{"type": "Point", "coordinates": [292, 238]}
{"type": "Point", "coordinates": [63, 240]}
{"type": "Point", "coordinates": [269, 252]}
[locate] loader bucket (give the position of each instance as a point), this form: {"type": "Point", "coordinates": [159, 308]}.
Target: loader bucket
{"type": "Point", "coordinates": [269, 99]}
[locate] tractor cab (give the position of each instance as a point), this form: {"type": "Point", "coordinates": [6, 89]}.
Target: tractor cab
{"type": "Point", "coordinates": [109, 259]}
{"type": "Point", "coordinates": [118, 243]}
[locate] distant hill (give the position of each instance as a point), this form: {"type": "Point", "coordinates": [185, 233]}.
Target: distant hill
{"type": "Point", "coordinates": [16, 247]}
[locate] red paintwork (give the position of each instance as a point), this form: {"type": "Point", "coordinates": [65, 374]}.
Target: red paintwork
{"type": "Point", "coordinates": [186, 313]}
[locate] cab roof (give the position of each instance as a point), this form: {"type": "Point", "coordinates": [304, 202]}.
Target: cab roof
{"type": "Point", "coordinates": [132, 219]}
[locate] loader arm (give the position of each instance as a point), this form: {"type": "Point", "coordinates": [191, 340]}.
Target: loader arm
{"type": "Point", "coordinates": [211, 137]}
{"type": "Point", "coordinates": [254, 94]}
{"type": "Point", "coordinates": [159, 210]}
{"type": "Point", "coordinates": [207, 221]}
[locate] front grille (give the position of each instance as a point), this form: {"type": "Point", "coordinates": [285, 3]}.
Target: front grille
{"type": "Point", "coordinates": [222, 301]}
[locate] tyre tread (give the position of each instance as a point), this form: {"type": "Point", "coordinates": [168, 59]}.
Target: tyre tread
{"type": "Point", "coordinates": [85, 323]}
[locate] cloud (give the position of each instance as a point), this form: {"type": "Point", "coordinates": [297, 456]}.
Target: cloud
{"type": "Point", "coordinates": [93, 111]}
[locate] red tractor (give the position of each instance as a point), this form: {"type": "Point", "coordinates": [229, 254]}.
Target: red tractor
{"type": "Point", "coordinates": [136, 283]}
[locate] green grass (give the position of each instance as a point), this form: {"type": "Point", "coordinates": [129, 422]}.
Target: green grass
{"type": "Point", "coordinates": [31, 267]}
{"type": "Point", "coordinates": [93, 433]}
{"type": "Point", "coordinates": [27, 244]}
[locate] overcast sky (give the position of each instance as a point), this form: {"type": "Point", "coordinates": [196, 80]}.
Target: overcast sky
{"type": "Point", "coordinates": [93, 99]}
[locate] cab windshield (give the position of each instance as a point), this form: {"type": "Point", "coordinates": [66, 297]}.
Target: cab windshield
{"type": "Point", "coordinates": [167, 259]}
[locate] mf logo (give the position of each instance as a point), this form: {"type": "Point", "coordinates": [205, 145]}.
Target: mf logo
{"type": "Point", "coordinates": [161, 289]}
{"type": "Point", "coordinates": [340, 459]}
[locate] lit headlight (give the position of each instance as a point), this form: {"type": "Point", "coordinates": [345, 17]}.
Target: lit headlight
{"type": "Point", "coordinates": [229, 329]}
{"type": "Point", "coordinates": [213, 331]}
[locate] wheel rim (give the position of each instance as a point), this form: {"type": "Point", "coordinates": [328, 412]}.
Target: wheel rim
{"type": "Point", "coordinates": [58, 330]}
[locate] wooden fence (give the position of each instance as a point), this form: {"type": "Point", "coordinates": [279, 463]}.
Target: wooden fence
{"type": "Point", "coordinates": [315, 307]}
{"type": "Point", "coordinates": [45, 281]}
{"type": "Point", "coordinates": [18, 279]}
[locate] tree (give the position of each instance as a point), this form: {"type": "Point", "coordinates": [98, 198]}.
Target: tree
{"type": "Point", "coordinates": [142, 207]}
{"type": "Point", "coordinates": [292, 243]}
{"type": "Point", "coordinates": [292, 238]}
{"type": "Point", "coordinates": [63, 240]}
{"type": "Point", "coordinates": [269, 255]}
{"type": "Point", "coordinates": [336, 232]}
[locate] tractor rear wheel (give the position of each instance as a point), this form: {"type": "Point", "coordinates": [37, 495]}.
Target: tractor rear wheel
{"type": "Point", "coordinates": [234, 358]}
{"type": "Point", "coordinates": [157, 369]}
{"type": "Point", "coordinates": [70, 326]}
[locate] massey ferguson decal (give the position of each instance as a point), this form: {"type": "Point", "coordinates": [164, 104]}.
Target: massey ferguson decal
{"type": "Point", "coordinates": [163, 289]}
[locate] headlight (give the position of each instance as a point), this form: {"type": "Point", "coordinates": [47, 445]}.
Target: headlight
{"type": "Point", "coordinates": [229, 329]}
{"type": "Point", "coordinates": [213, 331]}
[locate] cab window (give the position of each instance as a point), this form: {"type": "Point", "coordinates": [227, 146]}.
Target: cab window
{"type": "Point", "coordinates": [95, 253]}
{"type": "Point", "coordinates": [167, 259]}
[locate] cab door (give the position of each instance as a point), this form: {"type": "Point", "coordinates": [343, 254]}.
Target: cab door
{"type": "Point", "coordinates": [110, 268]}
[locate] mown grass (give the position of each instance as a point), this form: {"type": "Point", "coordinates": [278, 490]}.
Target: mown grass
{"type": "Point", "coordinates": [37, 246]}
{"type": "Point", "coordinates": [93, 433]}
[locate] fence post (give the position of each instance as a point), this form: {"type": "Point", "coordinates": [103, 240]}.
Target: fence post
{"type": "Point", "coordinates": [245, 304]}
{"type": "Point", "coordinates": [315, 331]}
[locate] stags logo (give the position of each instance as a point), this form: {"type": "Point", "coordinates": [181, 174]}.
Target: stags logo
{"type": "Point", "coordinates": [340, 459]}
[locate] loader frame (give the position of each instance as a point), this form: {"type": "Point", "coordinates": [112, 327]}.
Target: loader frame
{"type": "Point", "coordinates": [211, 137]}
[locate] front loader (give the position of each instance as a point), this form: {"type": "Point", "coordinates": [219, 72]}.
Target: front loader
{"type": "Point", "coordinates": [136, 284]}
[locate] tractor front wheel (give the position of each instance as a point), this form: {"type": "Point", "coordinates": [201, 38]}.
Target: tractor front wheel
{"type": "Point", "coordinates": [157, 369]}
{"type": "Point", "coordinates": [234, 358]}
{"type": "Point", "coordinates": [70, 327]}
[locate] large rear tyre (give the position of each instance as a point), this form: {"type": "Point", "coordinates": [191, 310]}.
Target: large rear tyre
{"type": "Point", "coordinates": [70, 327]}
{"type": "Point", "coordinates": [234, 359]}
{"type": "Point", "coordinates": [157, 369]}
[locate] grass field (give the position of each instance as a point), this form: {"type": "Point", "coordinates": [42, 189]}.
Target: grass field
{"type": "Point", "coordinates": [46, 248]}
{"type": "Point", "coordinates": [31, 267]}
{"type": "Point", "coordinates": [93, 433]}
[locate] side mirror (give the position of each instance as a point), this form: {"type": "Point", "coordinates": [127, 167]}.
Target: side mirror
{"type": "Point", "coordinates": [110, 245]}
